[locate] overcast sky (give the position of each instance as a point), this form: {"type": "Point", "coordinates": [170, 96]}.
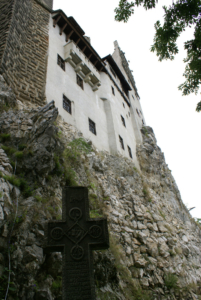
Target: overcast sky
{"type": "Point", "coordinates": [171, 115]}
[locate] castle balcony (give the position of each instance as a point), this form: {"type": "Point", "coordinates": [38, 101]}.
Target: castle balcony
{"type": "Point", "coordinates": [82, 65]}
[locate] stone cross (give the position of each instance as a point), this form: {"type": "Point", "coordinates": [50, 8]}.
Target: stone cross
{"type": "Point", "coordinates": [76, 236]}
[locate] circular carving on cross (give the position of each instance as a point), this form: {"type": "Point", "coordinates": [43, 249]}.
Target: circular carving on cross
{"type": "Point", "coordinates": [75, 213]}
{"type": "Point", "coordinates": [56, 233]}
{"type": "Point", "coordinates": [95, 231]}
{"type": "Point", "coordinates": [77, 252]}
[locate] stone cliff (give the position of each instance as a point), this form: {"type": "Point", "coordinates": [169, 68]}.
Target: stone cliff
{"type": "Point", "coordinates": [155, 245]}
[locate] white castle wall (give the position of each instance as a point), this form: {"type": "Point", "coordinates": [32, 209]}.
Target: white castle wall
{"type": "Point", "coordinates": [101, 106]}
{"type": "Point", "coordinates": [86, 103]}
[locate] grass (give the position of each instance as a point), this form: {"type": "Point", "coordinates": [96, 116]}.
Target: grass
{"type": "Point", "coordinates": [162, 214]}
{"type": "Point", "coordinates": [19, 154]}
{"type": "Point", "coordinates": [145, 131]}
{"type": "Point", "coordinates": [171, 281]}
{"type": "Point", "coordinates": [4, 137]}
{"type": "Point", "coordinates": [21, 147]}
{"type": "Point", "coordinates": [76, 148]}
{"type": "Point", "coordinates": [4, 283]}
{"type": "Point", "coordinates": [70, 159]}
{"type": "Point", "coordinates": [8, 150]}
{"type": "Point", "coordinates": [57, 284]}
{"type": "Point", "coordinates": [19, 182]}
{"type": "Point", "coordinates": [135, 169]}
{"type": "Point", "coordinates": [41, 199]}
{"type": "Point", "coordinates": [146, 191]}
{"type": "Point", "coordinates": [95, 214]}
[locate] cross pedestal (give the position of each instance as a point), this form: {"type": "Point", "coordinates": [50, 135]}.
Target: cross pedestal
{"type": "Point", "coordinates": [76, 236]}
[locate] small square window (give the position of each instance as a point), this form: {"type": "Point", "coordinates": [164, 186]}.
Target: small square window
{"type": "Point", "coordinates": [67, 104]}
{"type": "Point", "coordinates": [113, 90]}
{"type": "Point", "coordinates": [92, 126]}
{"type": "Point", "coordinates": [130, 152]}
{"type": "Point", "coordinates": [80, 81]}
{"type": "Point", "coordinates": [121, 142]}
{"type": "Point", "coordinates": [123, 121]}
{"type": "Point", "coordinates": [138, 112]}
{"type": "Point", "coordinates": [60, 62]}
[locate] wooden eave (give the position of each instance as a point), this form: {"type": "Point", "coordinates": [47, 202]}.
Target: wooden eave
{"type": "Point", "coordinates": [67, 25]}
{"type": "Point", "coordinates": [115, 67]}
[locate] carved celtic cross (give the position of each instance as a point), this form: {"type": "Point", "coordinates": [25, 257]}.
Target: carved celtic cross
{"type": "Point", "coordinates": [76, 236]}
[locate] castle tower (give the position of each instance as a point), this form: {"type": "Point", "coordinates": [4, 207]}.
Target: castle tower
{"type": "Point", "coordinates": [24, 27]}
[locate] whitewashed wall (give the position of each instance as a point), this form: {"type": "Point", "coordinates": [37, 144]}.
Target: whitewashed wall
{"type": "Point", "coordinates": [86, 103]}
{"type": "Point", "coordinates": [102, 107]}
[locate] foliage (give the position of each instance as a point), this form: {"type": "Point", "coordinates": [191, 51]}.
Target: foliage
{"type": "Point", "coordinates": [182, 14]}
{"type": "Point", "coordinates": [75, 148]}
{"type": "Point", "coordinates": [64, 165]}
{"type": "Point", "coordinates": [19, 154]}
{"type": "Point", "coordinates": [21, 147]}
{"type": "Point", "coordinates": [4, 283]}
{"type": "Point", "coordinates": [41, 199]}
{"type": "Point", "coordinates": [57, 284]}
{"type": "Point", "coordinates": [8, 150]}
{"type": "Point", "coordinates": [171, 281]}
{"type": "Point", "coordinates": [4, 137]}
{"type": "Point", "coordinates": [19, 182]}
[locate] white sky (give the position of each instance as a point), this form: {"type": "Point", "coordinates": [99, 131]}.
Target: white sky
{"type": "Point", "coordinates": [171, 115]}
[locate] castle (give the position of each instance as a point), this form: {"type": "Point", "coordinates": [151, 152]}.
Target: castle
{"type": "Point", "coordinates": [45, 56]}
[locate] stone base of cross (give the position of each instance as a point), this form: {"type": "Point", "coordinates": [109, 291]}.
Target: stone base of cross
{"type": "Point", "coordinates": [76, 236]}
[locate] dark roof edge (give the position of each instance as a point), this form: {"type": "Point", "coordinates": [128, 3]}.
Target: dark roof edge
{"type": "Point", "coordinates": [82, 35]}
{"type": "Point", "coordinates": [117, 70]}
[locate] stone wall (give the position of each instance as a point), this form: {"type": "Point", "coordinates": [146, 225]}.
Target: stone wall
{"type": "Point", "coordinates": [23, 63]}
{"type": "Point", "coordinates": [6, 8]}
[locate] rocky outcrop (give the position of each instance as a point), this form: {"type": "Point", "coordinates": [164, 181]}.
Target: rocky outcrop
{"type": "Point", "coordinates": [155, 246]}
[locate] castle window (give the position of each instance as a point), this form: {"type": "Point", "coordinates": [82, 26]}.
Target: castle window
{"type": "Point", "coordinates": [133, 97]}
{"type": "Point", "coordinates": [80, 81]}
{"type": "Point", "coordinates": [130, 152]}
{"type": "Point", "coordinates": [92, 126]}
{"type": "Point", "coordinates": [113, 90]}
{"type": "Point", "coordinates": [129, 114]}
{"type": "Point", "coordinates": [123, 121]}
{"type": "Point", "coordinates": [143, 122]}
{"type": "Point", "coordinates": [67, 104]}
{"type": "Point", "coordinates": [121, 142]}
{"type": "Point", "coordinates": [123, 105]}
{"type": "Point", "coordinates": [60, 62]}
